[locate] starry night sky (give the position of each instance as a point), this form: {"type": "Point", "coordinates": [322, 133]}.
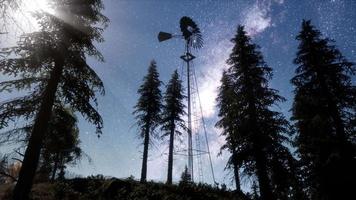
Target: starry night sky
{"type": "Point", "coordinates": [131, 43]}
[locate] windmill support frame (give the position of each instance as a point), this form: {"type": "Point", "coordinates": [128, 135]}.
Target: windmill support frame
{"type": "Point", "coordinates": [193, 39]}
{"type": "Point", "coordinates": [187, 57]}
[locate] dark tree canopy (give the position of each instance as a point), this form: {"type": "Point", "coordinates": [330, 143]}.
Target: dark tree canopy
{"type": "Point", "coordinates": [52, 64]}
{"type": "Point", "coordinates": [254, 132]}
{"type": "Point", "coordinates": [34, 58]}
{"type": "Point", "coordinates": [172, 113]}
{"type": "Point", "coordinates": [148, 107]}
{"type": "Point", "coordinates": [61, 144]}
{"type": "Point", "coordinates": [148, 110]}
{"type": "Point", "coordinates": [185, 178]}
{"type": "Point", "coordinates": [228, 114]}
{"type": "Point", "coordinates": [173, 107]}
{"type": "Point", "coordinates": [323, 112]}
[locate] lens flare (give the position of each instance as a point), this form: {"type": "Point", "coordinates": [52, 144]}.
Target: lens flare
{"type": "Point", "coordinates": [38, 6]}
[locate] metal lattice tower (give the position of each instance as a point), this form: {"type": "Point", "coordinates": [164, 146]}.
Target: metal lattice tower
{"type": "Point", "coordinates": [196, 124]}
{"type": "Point", "coordinates": [193, 39]}
{"type": "Point", "coordinates": [188, 57]}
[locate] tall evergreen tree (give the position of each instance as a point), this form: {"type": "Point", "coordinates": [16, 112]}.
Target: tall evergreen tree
{"type": "Point", "coordinates": [148, 110]}
{"type": "Point", "coordinates": [185, 178]}
{"type": "Point", "coordinates": [227, 113]}
{"type": "Point", "coordinates": [323, 111]}
{"type": "Point", "coordinates": [173, 110]}
{"type": "Point", "coordinates": [52, 62]}
{"type": "Point", "coordinates": [61, 144]}
{"type": "Point", "coordinates": [254, 132]}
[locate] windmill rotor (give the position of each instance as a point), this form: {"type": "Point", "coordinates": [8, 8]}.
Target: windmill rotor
{"type": "Point", "coordinates": [191, 32]}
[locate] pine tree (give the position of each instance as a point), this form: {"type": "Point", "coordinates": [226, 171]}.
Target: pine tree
{"type": "Point", "coordinates": [52, 62]}
{"type": "Point", "coordinates": [227, 113]}
{"type": "Point", "coordinates": [148, 110]}
{"type": "Point", "coordinates": [61, 144]}
{"type": "Point", "coordinates": [323, 111]}
{"type": "Point", "coordinates": [173, 110]}
{"type": "Point", "coordinates": [254, 132]}
{"type": "Point", "coordinates": [185, 178]}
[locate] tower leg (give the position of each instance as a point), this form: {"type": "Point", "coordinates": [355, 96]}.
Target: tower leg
{"type": "Point", "coordinates": [187, 58]}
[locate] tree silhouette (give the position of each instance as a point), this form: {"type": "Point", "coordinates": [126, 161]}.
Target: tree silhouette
{"type": "Point", "coordinates": [323, 111]}
{"type": "Point", "coordinates": [173, 110]}
{"type": "Point", "coordinates": [52, 62]}
{"type": "Point", "coordinates": [185, 178]}
{"type": "Point", "coordinates": [61, 144]}
{"type": "Point", "coordinates": [227, 114]}
{"type": "Point", "coordinates": [254, 132]}
{"type": "Point", "coordinates": [148, 110]}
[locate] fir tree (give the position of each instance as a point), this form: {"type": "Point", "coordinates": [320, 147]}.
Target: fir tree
{"type": "Point", "coordinates": [323, 111]}
{"type": "Point", "coordinates": [227, 113]}
{"type": "Point", "coordinates": [185, 178]}
{"type": "Point", "coordinates": [52, 62]}
{"type": "Point", "coordinates": [173, 110]}
{"type": "Point", "coordinates": [61, 144]}
{"type": "Point", "coordinates": [148, 110]}
{"type": "Point", "coordinates": [254, 132]}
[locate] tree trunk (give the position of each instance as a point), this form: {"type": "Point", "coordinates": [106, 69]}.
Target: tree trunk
{"type": "Point", "coordinates": [236, 173]}
{"type": "Point", "coordinates": [32, 154]}
{"type": "Point", "coordinates": [61, 166]}
{"type": "Point", "coordinates": [262, 176]}
{"type": "Point", "coordinates": [54, 170]}
{"type": "Point", "coordinates": [170, 155]}
{"type": "Point", "coordinates": [260, 157]}
{"type": "Point", "coordinates": [145, 154]}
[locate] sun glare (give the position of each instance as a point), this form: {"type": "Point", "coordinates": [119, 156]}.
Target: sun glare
{"type": "Point", "coordinates": [37, 6]}
{"type": "Point", "coordinates": [25, 19]}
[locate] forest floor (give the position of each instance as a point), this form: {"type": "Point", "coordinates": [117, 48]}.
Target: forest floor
{"type": "Point", "coordinates": [128, 189]}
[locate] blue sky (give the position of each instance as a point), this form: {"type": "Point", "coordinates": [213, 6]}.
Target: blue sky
{"type": "Point", "coordinates": [131, 43]}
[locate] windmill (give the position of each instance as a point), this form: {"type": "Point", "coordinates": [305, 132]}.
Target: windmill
{"type": "Point", "coordinates": [193, 39]}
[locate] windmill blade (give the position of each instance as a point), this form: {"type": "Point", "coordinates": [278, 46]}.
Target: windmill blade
{"type": "Point", "coordinates": [191, 32]}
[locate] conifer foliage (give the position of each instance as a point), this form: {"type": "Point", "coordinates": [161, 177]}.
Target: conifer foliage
{"type": "Point", "coordinates": [172, 122]}
{"type": "Point", "coordinates": [227, 113]}
{"type": "Point", "coordinates": [185, 178]}
{"type": "Point", "coordinates": [52, 63]}
{"type": "Point", "coordinates": [61, 144]}
{"type": "Point", "coordinates": [254, 132]}
{"type": "Point", "coordinates": [323, 111]}
{"type": "Point", "coordinates": [148, 111]}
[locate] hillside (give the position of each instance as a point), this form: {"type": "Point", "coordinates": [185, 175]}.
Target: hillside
{"type": "Point", "coordinates": [101, 188]}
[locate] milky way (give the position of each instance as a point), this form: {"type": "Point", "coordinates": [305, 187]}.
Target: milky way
{"type": "Point", "coordinates": [131, 42]}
